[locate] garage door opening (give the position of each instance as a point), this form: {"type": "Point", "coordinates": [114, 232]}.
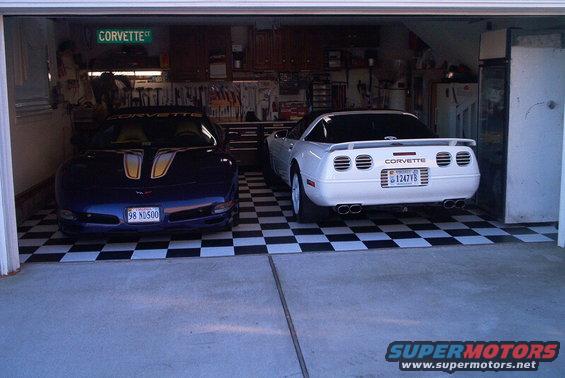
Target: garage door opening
{"type": "Point", "coordinates": [494, 80]}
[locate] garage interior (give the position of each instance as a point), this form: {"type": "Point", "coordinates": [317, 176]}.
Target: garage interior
{"type": "Point", "coordinates": [497, 80]}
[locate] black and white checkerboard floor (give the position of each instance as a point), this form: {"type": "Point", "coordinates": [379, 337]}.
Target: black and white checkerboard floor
{"type": "Point", "coordinates": [267, 226]}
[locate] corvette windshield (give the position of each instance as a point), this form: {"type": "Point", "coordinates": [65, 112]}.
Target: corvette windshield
{"type": "Point", "coordinates": [363, 127]}
{"type": "Point", "coordinates": [156, 132]}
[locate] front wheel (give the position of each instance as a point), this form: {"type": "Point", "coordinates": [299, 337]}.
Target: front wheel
{"type": "Point", "coordinates": [304, 209]}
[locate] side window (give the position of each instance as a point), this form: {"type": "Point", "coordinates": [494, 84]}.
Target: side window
{"type": "Point", "coordinates": [319, 133]}
{"type": "Point", "coordinates": [295, 133]}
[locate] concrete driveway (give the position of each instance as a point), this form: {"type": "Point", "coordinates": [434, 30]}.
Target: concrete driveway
{"type": "Point", "coordinates": [225, 316]}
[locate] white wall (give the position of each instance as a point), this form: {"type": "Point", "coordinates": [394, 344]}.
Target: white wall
{"type": "Point", "coordinates": [40, 143]}
{"type": "Point", "coordinates": [458, 41]}
{"type": "Point", "coordinates": [535, 134]}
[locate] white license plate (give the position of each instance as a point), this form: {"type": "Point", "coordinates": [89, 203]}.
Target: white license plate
{"type": "Point", "coordinates": [404, 177]}
{"type": "Point", "coordinates": [143, 214]}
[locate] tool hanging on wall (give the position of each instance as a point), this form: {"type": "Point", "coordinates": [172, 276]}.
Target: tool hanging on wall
{"type": "Point", "coordinates": [158, 96]}
{"type": "Point", "coordinates": [140, 95]}
{"type": "Point", "coordinates": [148, 94]}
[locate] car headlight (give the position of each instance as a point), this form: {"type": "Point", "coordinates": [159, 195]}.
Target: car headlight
{"type": "Point", "coordinates": [67, 215]}
{"type": "Point", "coordinates": [223, 207]}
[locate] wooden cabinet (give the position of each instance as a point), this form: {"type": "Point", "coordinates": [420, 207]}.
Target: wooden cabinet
{"type": "Point", "coordinates": [309, 49]}
{"type": "Point", "coordinates": [288, 49]}
{"type": "Point", "coordinates": [218, 44]}
{"type": "Point", "coordinates": [263, 50]}
{"type": "Point", "coordinates": [189, 55]}
{"type": "Point", "coordinates": [193, 48]}
{"type": "Point", "coordinates": [345, 36]}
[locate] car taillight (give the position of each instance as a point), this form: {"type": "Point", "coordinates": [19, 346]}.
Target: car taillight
{"type": "Point", "coordinates": [463, 158]}
{"type": "Point", "coordinates": [342, 163]}
{"type": "Point", "coordinates": [443, 159]}
{"type": "Point", "coordinates": [223, 207]}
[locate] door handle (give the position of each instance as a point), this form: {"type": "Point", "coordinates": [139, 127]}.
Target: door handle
{"type": "Point", "coordinates": [290, 147]}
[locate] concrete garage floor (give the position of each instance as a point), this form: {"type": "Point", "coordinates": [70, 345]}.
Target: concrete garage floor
{"type": "Point", "coordinates": [223, 316]}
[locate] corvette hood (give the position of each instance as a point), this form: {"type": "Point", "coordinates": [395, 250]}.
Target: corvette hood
{"type": "Point", "coordinates": [146, 168]}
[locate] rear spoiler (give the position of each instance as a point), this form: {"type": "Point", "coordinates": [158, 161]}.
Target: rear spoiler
{"type": "Point", "coordinates": [402, 142]}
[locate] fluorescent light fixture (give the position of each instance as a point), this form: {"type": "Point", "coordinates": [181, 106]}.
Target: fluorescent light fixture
{"type": "Point", "coordinates": [127, 73]}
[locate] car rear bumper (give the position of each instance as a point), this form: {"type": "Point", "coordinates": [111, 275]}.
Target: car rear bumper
{"type": "Point", "coordinates": [370, 192]}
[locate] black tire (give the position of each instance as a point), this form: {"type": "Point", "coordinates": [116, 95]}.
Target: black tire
{"type": "Point", "coordinates": [307, 211]}
{"type": "Point", "coordinates": [268, 174]}
{"type": "Point", "coordinates": [68, 234]}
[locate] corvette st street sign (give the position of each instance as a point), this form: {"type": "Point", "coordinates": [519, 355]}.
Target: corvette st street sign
{"type": "Point", "coordinates": [124, 36]}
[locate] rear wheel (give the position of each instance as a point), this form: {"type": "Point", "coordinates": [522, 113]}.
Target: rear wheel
{"type": "Point", "coordinates": [304, 209]}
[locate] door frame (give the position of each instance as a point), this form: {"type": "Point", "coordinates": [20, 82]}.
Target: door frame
{"type": "Point", "coordinates": [9, 256]}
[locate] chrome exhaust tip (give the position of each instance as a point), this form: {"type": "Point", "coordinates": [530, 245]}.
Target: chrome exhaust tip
{"type": "Point", "coordinates": [449, 204]}
{"type": "Point", "coordinates": [343, 209]}
{"type": "Point", "coordinates": [460, 204]}
{"type": "Point", "coordinates": [355, 209]}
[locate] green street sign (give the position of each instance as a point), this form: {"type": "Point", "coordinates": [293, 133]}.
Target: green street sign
{"type": "Point", "coordinates": [124, 36]}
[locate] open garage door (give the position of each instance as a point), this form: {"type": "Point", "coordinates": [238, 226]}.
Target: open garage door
{"type": "Point", "coordinates": [248, 77]}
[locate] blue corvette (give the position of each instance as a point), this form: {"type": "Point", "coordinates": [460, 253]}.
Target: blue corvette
{"type": "Point", "coordinates": [150, 169]}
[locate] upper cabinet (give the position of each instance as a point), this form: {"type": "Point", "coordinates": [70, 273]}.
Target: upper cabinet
{"type": "Point", "coordinates": [188, 54]}
{"type": "Point", "coordinates": [289, 49]}
{"type": "Point", "coordinates": [199, 53]}
{"type": "Point", "coordinates": [345, 36]}
{"type": "Point", "coordinates": [309, 49]}
{"type": "Point", "coordinates": [263, 50]}
{"type": "Point", "coordinates": [218, 44]}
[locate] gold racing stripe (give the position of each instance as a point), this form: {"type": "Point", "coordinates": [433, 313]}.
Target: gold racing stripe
{"type": "Point", "coordinates": [132, 163]}
{"type": "Point", "coordinates": [162, 162]}
{"type": "Point", "coordinates": [164, 159]}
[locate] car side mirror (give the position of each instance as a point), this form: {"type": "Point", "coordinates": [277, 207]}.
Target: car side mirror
{"type": "Point", "coordinates": [281, 134]}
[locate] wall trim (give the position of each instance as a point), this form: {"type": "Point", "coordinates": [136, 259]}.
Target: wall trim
{"type": "Point", "coordinates": [9, 254]}
{"type": "Point", "coordinates": [35, 198]}
{"type": "Point", "coordinates": [272, 7]}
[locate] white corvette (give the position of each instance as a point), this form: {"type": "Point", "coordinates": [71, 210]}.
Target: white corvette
{"type": "Point", "coordinates": [351, 159]}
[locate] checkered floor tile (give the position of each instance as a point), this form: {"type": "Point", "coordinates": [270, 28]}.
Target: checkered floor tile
{"type": "Point", "coordinates": [267, 226]}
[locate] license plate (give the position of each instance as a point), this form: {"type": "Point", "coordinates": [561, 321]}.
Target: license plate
{"type": "Point", "coordinates": [404, 177]}
{"type": "Point", "coordinates": [143, 214]}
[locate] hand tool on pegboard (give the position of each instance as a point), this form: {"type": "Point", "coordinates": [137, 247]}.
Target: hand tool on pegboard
{"type": "Point", "coordinates": [140, 95]}
{"type": "Point", "coordinates": [158, 96]}
{"type": "Point", "coordinates": [149, 91]}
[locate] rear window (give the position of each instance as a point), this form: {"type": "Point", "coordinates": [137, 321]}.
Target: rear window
{"type": "Point", "coordinates": [364, 127]}
{"type": "Point", "coordinates": [156, 130]}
